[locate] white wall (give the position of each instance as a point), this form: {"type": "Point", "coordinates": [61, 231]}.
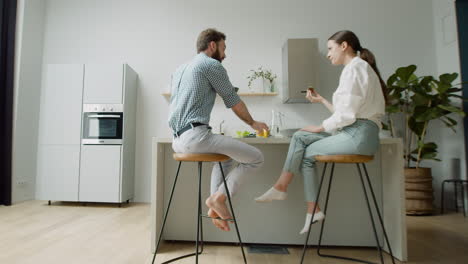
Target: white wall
{"type": "Point", "coordinates": [451, 145]}
{"type": "Point", "coordinates": [154, 37]}
{"type": "Point", "coordinates": [28, 63]}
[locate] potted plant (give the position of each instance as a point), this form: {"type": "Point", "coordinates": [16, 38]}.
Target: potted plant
{"type": "Point", "coordinates": [267, 78]}
{"type": "Point", "coordinates": [420, 100]}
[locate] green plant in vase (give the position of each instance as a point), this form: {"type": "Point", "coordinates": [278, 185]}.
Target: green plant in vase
{"type": "Point", "coordinates": [267, 77]}
{"type": "Point", "coordinates": [421, 100]}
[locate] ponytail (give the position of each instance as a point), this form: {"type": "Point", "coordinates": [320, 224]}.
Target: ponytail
{"type": "Point", "coordinates": [368, 56]}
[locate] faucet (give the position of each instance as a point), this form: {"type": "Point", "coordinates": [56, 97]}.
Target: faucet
{"type": "Point", "coordinates": [221, 128]}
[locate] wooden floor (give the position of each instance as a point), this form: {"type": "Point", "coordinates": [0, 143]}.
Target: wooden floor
{"type": "Point", "coordinates": [33, 232]}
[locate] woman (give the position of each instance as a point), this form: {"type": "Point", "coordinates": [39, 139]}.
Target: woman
{"type": "Point", "coordinates": [353, 127]}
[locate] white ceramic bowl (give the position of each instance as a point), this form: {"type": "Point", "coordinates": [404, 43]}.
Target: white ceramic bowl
{"type": "Point", "coordinates": [288, 132]}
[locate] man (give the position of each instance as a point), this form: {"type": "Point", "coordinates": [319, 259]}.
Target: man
{"type": "Point", "coordinates": [194, 89]}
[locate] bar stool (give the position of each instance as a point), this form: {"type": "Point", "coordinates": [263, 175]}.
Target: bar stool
{"type": "Point", "coordinates": [200, 158]}
{"type": "Point", "coordinates": [359, 160]}
{"type": "Point", "coordinates": [455, 182]}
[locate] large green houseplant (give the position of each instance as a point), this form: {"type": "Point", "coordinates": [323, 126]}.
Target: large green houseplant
{"type": "Point", "coordinates": [420, 100]}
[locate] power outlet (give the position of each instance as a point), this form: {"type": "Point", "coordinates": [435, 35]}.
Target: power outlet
{"type": "Point", "coordinates": [21, 182]}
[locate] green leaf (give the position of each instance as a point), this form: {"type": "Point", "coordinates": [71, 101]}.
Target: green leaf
{"type": "Point", "coordinates": [427, 146]}
{"type": "Point", "coordinates": [458, 96]}
{"type": "Point", "coordinates": [454, 90]}
{"type": "Point", "coordinates": [420, 99]}
{"type": "Point", "coordinates": [416, 127]}
{"type": "Point", "coordinates": [391, 80]}
{"type": "Point", "coordinates": [426, 80]}
{"type": "Point", "coordinates": [448, 78]}
{"type": "Point", "coordinates": [452, 109]}
{"type": "Point", "coordinates": [451, 121]}
{"type": "Point", "coordinates": [405, 72]}
{"type": "Point", "coordinates": [420, 144]}
{"type": "Point", "coordinates": [412, 78]}
{"type": "Point", "coordinates": [443, 87]}
{"type": "Point", "coordinates": [430, 155]}
{"type": "Point", "coordinates": [430, 145]}
{"type": "Point", "coordinates": [423, 113]}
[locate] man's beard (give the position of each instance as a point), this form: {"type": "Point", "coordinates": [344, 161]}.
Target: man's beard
{"type": "Point", "coordinates": [217, 56]}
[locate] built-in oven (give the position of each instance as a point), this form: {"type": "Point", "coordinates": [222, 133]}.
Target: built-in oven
{"type": "Point", "coordinates": [102, 124]}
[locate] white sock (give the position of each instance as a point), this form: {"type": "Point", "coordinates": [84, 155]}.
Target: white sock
{"type": "Point", "coordinates": [270, 195]}
{"type": "Point", "coordinates": [318, 216]}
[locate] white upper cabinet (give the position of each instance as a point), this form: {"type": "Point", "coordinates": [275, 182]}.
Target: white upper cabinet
{"type": "Point", "coordinates": [103, 84]}
{"type": "Point", "coordinates": [61, 103]}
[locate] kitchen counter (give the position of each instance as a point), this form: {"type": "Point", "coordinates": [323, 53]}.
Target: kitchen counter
{"type": "Point", "coordinates": [279, 222]}
{"type": "Point", "coordinates": [275, 140]}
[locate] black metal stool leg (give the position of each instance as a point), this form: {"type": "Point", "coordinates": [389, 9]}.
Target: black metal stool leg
{"type": "Point", "coordinates": [463, 198]}
{"type": "Point", "coordinates": [200, 216]}
{"type": "Point", "coordinates": [442, 198]}
{"type": "Point", "coordinates": [456, 195]}
{"type": "Point", "coordinates": [167, 212]}
{"type": "Point", "coordinates": [313, 213]}
{"type": "Point", "coordinates": [199, 209]}
{"type": "Point", "coordinates": [378, 212]}
{"type": "Point", "coordinates": [325, 212]}
{"type": "Point", "coordinates": [232, 211]}
{"type": "Point", "coordinates": [370, 214]}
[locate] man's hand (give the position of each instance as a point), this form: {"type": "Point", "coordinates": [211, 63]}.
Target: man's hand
{"type": "Point", "coordinates": [313, 129]}
{"type": "Point", "coordinates": [259, 126]}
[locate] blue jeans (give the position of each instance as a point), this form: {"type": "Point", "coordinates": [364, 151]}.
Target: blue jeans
{"type": "Point", "coordinates": [361, 137]}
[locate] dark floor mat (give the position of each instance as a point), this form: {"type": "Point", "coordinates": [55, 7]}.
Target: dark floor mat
{"type": "Point", "coordinates": [267, 249]}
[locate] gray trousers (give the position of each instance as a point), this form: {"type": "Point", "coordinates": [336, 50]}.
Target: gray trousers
{"type": "Point", "coordinates": [244, 158]}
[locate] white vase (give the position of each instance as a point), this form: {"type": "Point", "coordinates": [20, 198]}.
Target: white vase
{"type": "Point", "coordinates": [267, 86]}
{"type": "Point", "coordinates": [257, 86]}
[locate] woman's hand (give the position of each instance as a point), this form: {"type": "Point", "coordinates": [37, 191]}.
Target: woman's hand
{"type": "Point", "coordinates": [313, 129]}
{"type": "Point", "coordinates": [314, 97]}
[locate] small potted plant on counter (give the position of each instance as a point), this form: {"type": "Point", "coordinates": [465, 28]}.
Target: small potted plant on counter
{"type": "Point", "coordinates": [420, 100]}
{"type": "Point", "coordinates": [267, 79]}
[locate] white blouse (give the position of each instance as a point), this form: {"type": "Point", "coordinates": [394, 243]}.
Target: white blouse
{"type": "Point", "coordinates": [359, 95]}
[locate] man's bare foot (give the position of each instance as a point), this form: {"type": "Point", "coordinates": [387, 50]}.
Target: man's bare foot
{"type": "Point", "coordinates": [217, 203]}
{"type": "Point", "coordinates": [223, 225]}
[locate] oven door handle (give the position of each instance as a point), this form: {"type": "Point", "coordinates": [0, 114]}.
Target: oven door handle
{"type": "Point", "coordinates": [104, 116]}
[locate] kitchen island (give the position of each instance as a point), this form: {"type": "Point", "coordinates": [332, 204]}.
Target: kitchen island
{"type": "Point", "coordinates": [279, 222]}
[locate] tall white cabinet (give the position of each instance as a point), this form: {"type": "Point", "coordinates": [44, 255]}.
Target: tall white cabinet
{"type": "Point", "coordinates": [59, 133]}
{"type": "Point", "coordinates": [66, 169]}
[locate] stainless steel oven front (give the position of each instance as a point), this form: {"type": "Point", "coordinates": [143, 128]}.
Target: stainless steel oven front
{"type": "Point", "coordinates": [102, 124]}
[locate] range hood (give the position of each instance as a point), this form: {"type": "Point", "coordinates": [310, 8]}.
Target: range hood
{"type": "Point", "coordinates": [300, 68]}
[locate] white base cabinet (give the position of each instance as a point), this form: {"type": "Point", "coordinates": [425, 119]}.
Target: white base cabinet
{"type": "Point", "coordinates": [58, 172]}
{"type": "Point", "coordinates": [100, 175]}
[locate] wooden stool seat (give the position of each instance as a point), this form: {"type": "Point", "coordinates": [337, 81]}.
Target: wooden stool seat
{"type": "Point", "coordinates": [203, 157]}
{"type": "Point", "coordinates": [344, 158]}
